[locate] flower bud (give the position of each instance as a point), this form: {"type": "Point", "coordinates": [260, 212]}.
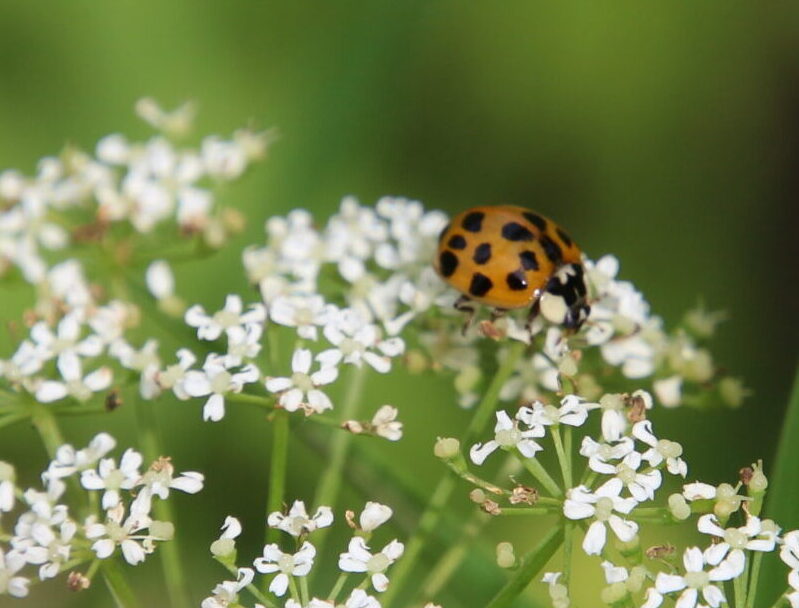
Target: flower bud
{"type": "Point", "coordinates": [614, 593]}
{"type": "Point", "coordinates": [447, 448]}
{"type": "Point", "coordinates": [224, 548]}
{"type": "Point", "coordinates": [505, 555]}
{"type": "Point", "coordinates": [163, 530]}
{"type": "Point", "coordinates": [477, 496]}
{"type": "Point", "coordinates": [732, 391]}
{"type": "Point", "coordinates": [679, 508]}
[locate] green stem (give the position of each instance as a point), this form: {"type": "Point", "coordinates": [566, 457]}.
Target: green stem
{"type": "Point", "coordinates": [47, 427]}
{"type": "Point", "coordinates": [522, 511]}
{"type": "Point", "coordinates": [171, 564]}
{"type": "Point", "coordinates": [531, 564]}
{"type": "Point", "coordinates": [117, 584]}
{"type": "Point", "coordinates": [267, 403]}
{"type": "Point", "coordinates": [295, 593]}
{"type": "Point", "coordinates": [740, 592]}
{"type": "Point", "coordinates": [12, 419]}
{"type": "Point", "coordinates": [277, 469]}
{"type": "Point", "coordinates": [304, 590]}
{"type": "Point", "coordinates": [568, 541]}
{"type": "Point", "coordinates": [450, 561]}
{"type": "Point", "coordinates": [540, 473]}
{"type": "Point", "coordinates": [751, 591]}
{"type": "Point", "coordinates": [342, 578]}
{"type": "Point", "coordinates": [330, 484]}
{"type": "Point", "coordinates": [447, 483]}
{"type": "Point", "coordinates": [563, 459]}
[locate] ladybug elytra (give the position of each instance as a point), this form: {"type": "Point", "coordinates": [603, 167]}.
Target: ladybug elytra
{"type": "Point", "coordinates": [509, 257]}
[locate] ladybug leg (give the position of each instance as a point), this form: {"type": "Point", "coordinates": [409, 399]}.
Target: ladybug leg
{"type": "Point", "coordinates": [535, 309]}
{"type": "Point", "coordinates": [464, 304]}
{"type": "Point", "coordinates": [498, 313]}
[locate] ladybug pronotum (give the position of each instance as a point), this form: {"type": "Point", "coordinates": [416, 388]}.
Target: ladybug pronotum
{"type": "Point", "coordinates": [509, 257]}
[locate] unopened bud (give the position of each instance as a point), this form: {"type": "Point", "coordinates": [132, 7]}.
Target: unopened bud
{"type": "Point", "coordinates": [679, 508]}
{"type": "Point", "coordinates": [477, 496]}
{"type": "Point", "coordinates": [223, 548]}
{"type": "Point", "coordinates": [447, 448]}
{"type": "Point", "coordinates": [505, 555]}
{"type": "Point", "coordinates": [77, 581]}
{"type": "Point", "coordinates": [613, 593]}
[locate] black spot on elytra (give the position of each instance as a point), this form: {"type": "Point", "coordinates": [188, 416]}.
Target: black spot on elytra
{"type": "Point", "coordinates": [552, 249]}
{"type": "Point", "coordinates": [579, 280]}
{"type": "Point", "coordinates": [482, 253]}
{"type": "Point", "coordinates": [447, 263]}
{"type": "Point", "coordinates": [481, 285]}
{"type": "Point", "coordinates": [473, 222]}
{"type": "Point", "coordinates": [516, 280]}
{"type": "Point", "coordinates": [564, 237]}
{"type": "Point", "coordinates": [516, 232]}
{"type": "Point", "coordinates": [536, 220]}
{"type": "Point", "coordinates": [528, 260]}
{"type": "Point", "coordinates": [457, 242]}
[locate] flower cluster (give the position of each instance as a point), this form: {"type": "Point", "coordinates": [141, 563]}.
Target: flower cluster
{"type": "Point", "coordinates": [622, 477]}
{"type": "Point", "coordinates": [288, 572]}
{"type": "Point", "coordinates": [48, 535]}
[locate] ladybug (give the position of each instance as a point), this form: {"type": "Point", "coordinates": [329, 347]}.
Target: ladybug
{"type": "Point", "coordinates": [509, 257]}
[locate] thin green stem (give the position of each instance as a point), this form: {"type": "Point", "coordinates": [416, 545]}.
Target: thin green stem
{"type": "Point", "coordinates": [751, 592]}
{"type": "Point", "coordinates": [522, 511]}
{"type": "Point", "coordinates": [531, 564]}
{"type": "Point", "coordinates": [118, 585]}
{"type": "Point", "coordinates": [267, 403]}
{"type": "Point", "coordinates": [563, 459]}
{"type": "Point", "coordinates": [277, 469]}
{"type": "Point", "coordinates": [304, 590]}
{"type": "Point", "coordinates": [171, 564]}
{"type": "Point", "coordinates": [540, 473]}
{"type": "Point", "coordinates": [12, 419]}
{"type": "Point", "coordinates": [449, 562]}
{"type": "Point", "coordinates": [47, 427]}
{"type": "Point", "coordinates": [739, 590]}
{"type": "Point", "coordinates": [337, 587]}
{"type": "Point", "coordinates": [447, 483]}
{"type": "Point", "coordinates": [295, 592]}
{"type": "Point", "coordinates": [330, 484]}
{"type": "Point", "coordinates": [568, 541]}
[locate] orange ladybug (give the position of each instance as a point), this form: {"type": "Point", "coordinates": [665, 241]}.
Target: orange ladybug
{"type": "Point", "coordinates": [509, 257]}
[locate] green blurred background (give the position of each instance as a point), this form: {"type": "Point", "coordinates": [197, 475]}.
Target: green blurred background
{"type": "Point", "coordinates": [665, 133]}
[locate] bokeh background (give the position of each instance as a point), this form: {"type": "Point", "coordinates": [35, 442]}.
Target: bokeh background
{"type": "Point", "coordinates": [665, 133]}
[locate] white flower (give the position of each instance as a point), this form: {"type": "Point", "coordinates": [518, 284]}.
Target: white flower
{"type": "Point", "coordinates": [297, 521]}
{"type": "Point", "coordinates": [580, 503]}
{"type": "Point", "coordinates": [160, 478]}
{"type": "Point", "coordinates": [243, 342]}
{"type": "Point", "coordinates": [67, 461]}
{"type": "Point", "coordinates": [696, 579]}
{"type": "Point", "coordinates": [359, 559]}
{"type": "Point", "coordinates": [211, 327]}
{"type": "Point", "coordinates": [507, 435]}
{"type": "Point", "coordinates": [172, 377]}
{"type": "Point", "coordinates": [160, 280]}
{"type": "Point", "coordinates": [793, 581]}
{"type": "Point", "coordinates": [374, 515]}
{"type": "Point", "coordinates": [306, 312]}
{"type": "Point", "coordinates": [756, 535]}
{"type": "Point", "coordinates": [668, 390]}
{"type": "Point", "coordinates": [286, 564]}
{"type": "Point", "coordinates": [127, 535]}
{"type": "Point", "coordinates": [660, 449]}
{"type": "Point", "coordinates": [11, 563]}
{"type": "Point", "coordinates": [356, 341]}
{"type": "Point", "coordinates": [226, 593]}
{"type": "Point", "coordinates": [599, 454]}
{"type": "Point", "coordinates": [51, 556]}
{"type": "Point", "coordinates": [214, 381]}
{"type": "Point", "coordinates": [572, 411]}
{"type": "Point", "coordinates": [112, 479]}
{"type": "Point", "coordinates": [385, 423]}
{"type": "Point", "coordinates": [301, 389]}
{"type": "Point", "coordinates": [789, 552]}
{"type": "Point", "coordinates": [7, 486]}
{"type": "Point", "coordinates": [66, 339]}
{"type": "Point", "coordinates": [73, 385]}
{"type": "Point", "coordinates": [642, 486]}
